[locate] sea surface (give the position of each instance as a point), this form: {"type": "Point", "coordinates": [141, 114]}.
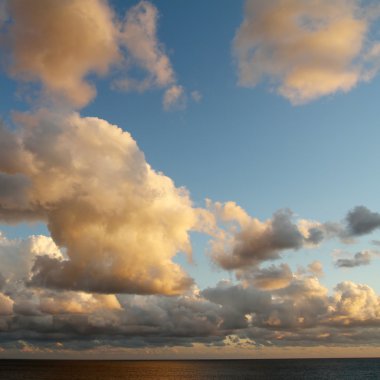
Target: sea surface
{"type": "Point", "coordinates": [191, 369]}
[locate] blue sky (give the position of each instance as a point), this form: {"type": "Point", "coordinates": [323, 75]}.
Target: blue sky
{"type": "Point", "coordinates": [289, 141]}
{"type": "Point", "coordinates": [250, 145]}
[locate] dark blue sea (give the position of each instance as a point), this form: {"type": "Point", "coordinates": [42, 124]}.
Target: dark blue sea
{"type": "Point", "coordinates": [191, 369]}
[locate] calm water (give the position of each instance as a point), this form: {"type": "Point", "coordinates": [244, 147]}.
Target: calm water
{"type": "Point", "coordinates": [195, 370]}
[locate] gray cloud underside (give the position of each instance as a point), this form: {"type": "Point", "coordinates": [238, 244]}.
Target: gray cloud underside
{"type": "Point", "coordinates": [360, 258]}
{"type": "Point", "coordinates": [299, 314]}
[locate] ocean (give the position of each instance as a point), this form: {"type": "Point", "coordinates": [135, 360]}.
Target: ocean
{"type": "Point", "coordinates": [292, 369]}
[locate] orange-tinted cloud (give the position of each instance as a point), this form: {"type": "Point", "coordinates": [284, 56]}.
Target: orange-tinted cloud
{"type": "Point", "coordinates": [305, 49]}
{"type": "Point", "coordinates": [120, 222]}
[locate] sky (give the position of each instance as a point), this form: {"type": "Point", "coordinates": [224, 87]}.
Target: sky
{"type": "Point", "coordinates": [189, 179]}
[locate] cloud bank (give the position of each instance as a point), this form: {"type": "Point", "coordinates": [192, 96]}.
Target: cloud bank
{"type": "Point", "coordinates": [299, 312]}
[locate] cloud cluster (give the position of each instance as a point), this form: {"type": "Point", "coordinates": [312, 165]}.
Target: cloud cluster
{"type": "Point", "coordinates": [305, 49]}
{"type": "Point", "coordinates": [60, 43]}
{"type": "Point", "coordinates": [299, 312]}
{"type": "Point", "coordinates": [107, 276]}
{"type": "Point", "coordinates": [248, 241]}
{"type": "Point", "coordinates": [120, 222]}
{"type": "Point", "coordinates": [243, 243]}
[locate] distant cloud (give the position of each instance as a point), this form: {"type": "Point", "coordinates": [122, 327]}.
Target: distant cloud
{"type": "Point", "coordinates": [247, 241]}
{"type": "Point", "coordinates": [173, 97]}
{"type": "Point", "coordinates": [361, 221]}
{"type": "Point", "coordinates": [359, 259]}
{"type": "Point", "coordinates": [316, 268]}
{"type": "Point", "coordinates": [270, 278]}
{"type": "Point", "coordinates": [242, 243]}
{"type": "Point", "coordinates": [305, 49]}
{"type": "Point", "coordinates": [281, 309]}
{"type": "Point", "coordinates": [196, 96]}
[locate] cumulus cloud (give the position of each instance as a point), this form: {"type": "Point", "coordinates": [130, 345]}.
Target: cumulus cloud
{"type": "Point", "coordinates": [361, 221]}
{"type": "Point", "coordinates": [242, 243]}
{"type": "Point", "coordinates": [299, 312]}
{"type": "Point", "coordinates": [249, 241]}
{"type": "Point", "coordinates": [355, 303]}
{"type": "Point", "coordinates": [120, 222]}
{"type": "Point", "coordinates": [359, 259]}
{"type": "Point", "coordinates": [305, 49]}
{"type": "Point", "coordinates": [270, 278]}
{"type": "Point", "coordinates": [60, 43]}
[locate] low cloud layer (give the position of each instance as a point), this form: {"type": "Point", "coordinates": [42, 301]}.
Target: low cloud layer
{"type": "Point", "coordinates": [300, 312]}
{"type": "Point", "coordinates": [306, 49]}
{"type": "Point", "coordinates": [120, 222]}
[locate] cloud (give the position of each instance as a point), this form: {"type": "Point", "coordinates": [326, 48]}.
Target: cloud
{"type": "Point", "coordinates": [119, 222]}
{"type": "Point", "coordinates": [305, 50]}
{"type": "Point", "coordinates": [270, 278]}
{"type": "Point", "coordinates": [355, 303]}
{"type": "Point", "coordinates": [243, 243]}
{"type": "Point", "coordinates": [316, 268]}
{"type": "Point", "coordinates": [139, 36]}
{"type": "Point", "coordinates": [196, 96]}
{"type": "Point", "coordinates": [361, 221]}
{"type": "Point", "coordinates": [360, 258]}
{"type": "Point", "coordinates": [248, 241]}
{"type": "Point", "coordinates": [6, 305]}
{"type": "Point", "coordinates": [60, 43]}
{"type": "Point", "coordinates": [174, 96]}
{"type": "Point", "coordinates": [300, 312]}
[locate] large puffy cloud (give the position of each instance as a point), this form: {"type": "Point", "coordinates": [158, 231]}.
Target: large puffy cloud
{"type": "Point", "coordinates": [306, 49]}
{"type": "Point", "coordinates": [120, 222]}
{"type": "Point", "coordinates": [60, 43]}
